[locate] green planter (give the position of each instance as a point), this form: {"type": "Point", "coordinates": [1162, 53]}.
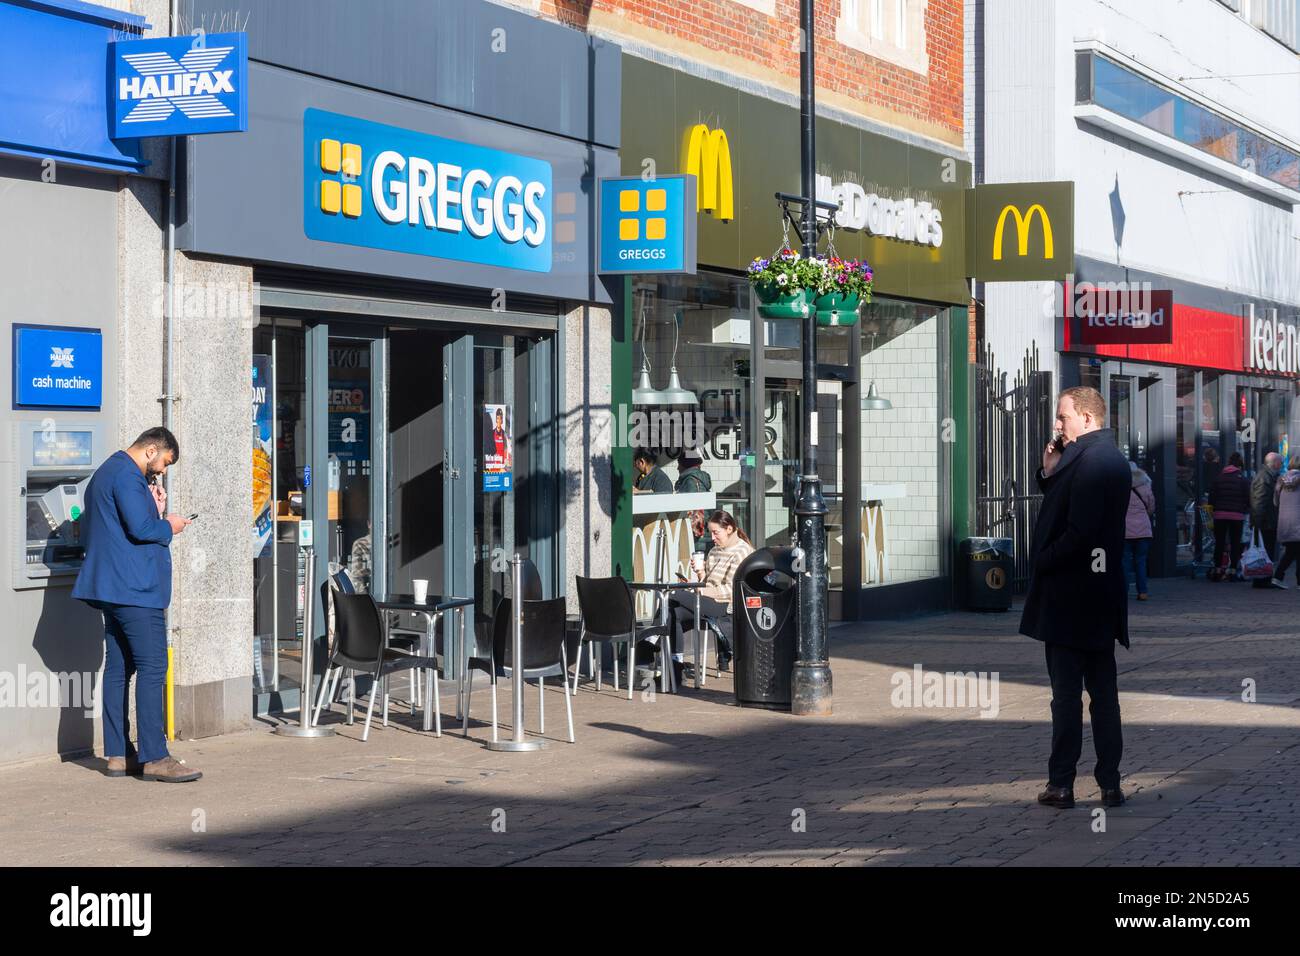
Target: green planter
{"type": "Point", "coordinates": [777, 304]}
{"type": "Point", "coordinates": [837, 308]}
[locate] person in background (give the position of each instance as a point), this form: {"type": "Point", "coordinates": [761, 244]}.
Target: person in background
{"type": "Point", "coordinates": [1230, 499]}
{"type": "Point", "coordinates": [1263, 508]}
{"type": "Point", "coordinates": [127, 576]}
{"type": "Point", "coordinates": [717, 571]}
{"type": "Point", "coordinates": [1286, 495]}
{"type": "Point", "coordinates": [650, 477]}
{"type": "Point", "coordinates": [360, 562]}
{"type": "Point", "coordinates": [1213, 467]}
{"type": "Point", "coordinates": [1138, 531]}
{"type": "Point", "coordinates": [691, 476]}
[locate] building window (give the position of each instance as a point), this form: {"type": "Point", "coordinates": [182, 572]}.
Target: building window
{"type": "Point", "coordinates": [891, 30]}
{"type": "Point", "coordinates": [1102, 82]}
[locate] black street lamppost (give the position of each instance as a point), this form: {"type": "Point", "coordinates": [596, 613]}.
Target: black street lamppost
{"type": "Point", "coordinates": [811, 678]}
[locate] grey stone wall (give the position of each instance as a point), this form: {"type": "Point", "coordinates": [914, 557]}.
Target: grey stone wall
{"type": "Point", "coordinates": [588, 433]}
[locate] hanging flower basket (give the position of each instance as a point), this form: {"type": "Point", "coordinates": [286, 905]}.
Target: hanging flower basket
{"type": "Point", "coordinates": [789, 286]}
{"type": "Point", "coordinates": [837, 308]}
{"type": "Point", "coordinates": [775, 303]}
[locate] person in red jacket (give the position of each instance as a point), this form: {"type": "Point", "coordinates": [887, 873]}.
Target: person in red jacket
{"type": "Point", "coordinates": [1230, 499]}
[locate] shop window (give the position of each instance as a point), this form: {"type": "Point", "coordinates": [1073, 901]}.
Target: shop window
{"type": "Point", "coordinates": [892, 30]}
{"type": "Point", "coordinates": [699, 326]}
{"type": "Point", "coordinates": [901, 484]}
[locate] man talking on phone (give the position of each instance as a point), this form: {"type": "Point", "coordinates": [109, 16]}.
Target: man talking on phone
{"type": "Point", "coordinates": [1078, 601]}
{"type": "Point", "coordinates": [127, 576]}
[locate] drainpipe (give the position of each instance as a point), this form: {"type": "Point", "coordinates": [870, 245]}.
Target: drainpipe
{"type": "Point", "coordinates": [169, 396]}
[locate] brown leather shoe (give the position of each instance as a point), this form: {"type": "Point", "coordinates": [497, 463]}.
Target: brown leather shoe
{"type": "Point", "coordinates": [1060, 797]}
{"type": "Point", "coordinates": [122, 766]}
{"type": "Point", "coordinates": [169, 770]}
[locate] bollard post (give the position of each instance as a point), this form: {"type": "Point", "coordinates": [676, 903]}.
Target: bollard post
{"type": "Point", "coordinates": [304, 727]}
{"type": "Point", "coordinates": [517, 742]}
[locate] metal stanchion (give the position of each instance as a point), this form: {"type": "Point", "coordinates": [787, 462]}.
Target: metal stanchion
{"type": "Point", "coordinates": [517, 741]}
{"type": "Point", "coordinates": [304, 728]}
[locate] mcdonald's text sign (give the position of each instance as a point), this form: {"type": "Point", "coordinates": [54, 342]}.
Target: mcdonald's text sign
{"type": "Point", "coordinates": [1021, 231]}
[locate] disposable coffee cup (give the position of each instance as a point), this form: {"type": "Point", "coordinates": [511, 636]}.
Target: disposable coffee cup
{"type": "Point", "coordinates": [697, 561]}
{"type": "Point", "coordinates": [421, 587]}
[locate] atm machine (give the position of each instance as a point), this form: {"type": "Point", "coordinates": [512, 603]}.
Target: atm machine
{"type": "Point", "coordinates": [54, 464]}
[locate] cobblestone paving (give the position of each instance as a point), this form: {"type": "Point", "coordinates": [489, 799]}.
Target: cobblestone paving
{"type": "Point", "coordinates": [692, 780]}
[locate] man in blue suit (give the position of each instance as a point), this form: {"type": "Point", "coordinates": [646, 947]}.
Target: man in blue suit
{"type": "Point", "coordinates": [127, 575]}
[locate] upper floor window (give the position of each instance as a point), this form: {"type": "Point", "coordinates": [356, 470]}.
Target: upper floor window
{"type": "Point", "coordinates": [892, 30]}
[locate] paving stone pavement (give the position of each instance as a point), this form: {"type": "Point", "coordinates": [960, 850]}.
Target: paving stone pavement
{"type": "Point", "coordinates": [692, 780]}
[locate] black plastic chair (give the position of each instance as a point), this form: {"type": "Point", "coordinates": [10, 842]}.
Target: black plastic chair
{"type": "Point", "coordinates": [359, 646]}
{"type": "Point", "coordinates": [405, 638]}
{"type": "Point", "coordinates": [609, 617]}
{"type": "Point", "coordinates": [543, 651]}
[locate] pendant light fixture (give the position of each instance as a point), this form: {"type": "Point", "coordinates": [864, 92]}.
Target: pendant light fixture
{"type": "Point", "coordinates": [674, 394]}
{"type": "Point", "coordinates": [873, 401]}
{"type": "Point", "coordinates": [644, 393]}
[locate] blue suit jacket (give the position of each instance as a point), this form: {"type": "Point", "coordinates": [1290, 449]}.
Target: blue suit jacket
{"type": "Point", "coordinates": [127, 556]}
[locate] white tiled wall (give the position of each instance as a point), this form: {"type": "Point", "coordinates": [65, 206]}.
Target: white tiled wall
{"type": "Point", "coordinates": [901, 445]}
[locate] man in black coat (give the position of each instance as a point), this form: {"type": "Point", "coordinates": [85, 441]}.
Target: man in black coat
{"type": "Point", "coordinates": [1078, 602]}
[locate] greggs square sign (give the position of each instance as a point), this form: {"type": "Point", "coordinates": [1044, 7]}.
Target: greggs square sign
{"type": "Point", "coordinates": [384, 187]}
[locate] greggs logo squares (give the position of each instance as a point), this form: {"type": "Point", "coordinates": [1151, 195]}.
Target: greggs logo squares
{"type": "Point", "coordinates": [367, 184]}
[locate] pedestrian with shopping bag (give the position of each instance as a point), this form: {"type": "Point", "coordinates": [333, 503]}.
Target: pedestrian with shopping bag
{"type": "Point", "coordinates": [1230, 499]}
{"type": "Point", "coordinates": [1286, 495]}
{"type": "Point", "coordinates": [1138, 530]}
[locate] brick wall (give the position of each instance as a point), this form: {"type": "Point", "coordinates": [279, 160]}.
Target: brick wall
{"type": "Point", "coordinates": [736, 37]}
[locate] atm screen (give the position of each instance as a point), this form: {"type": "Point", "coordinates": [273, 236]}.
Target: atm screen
{"type": "Point", "coordinates": [61, 449]}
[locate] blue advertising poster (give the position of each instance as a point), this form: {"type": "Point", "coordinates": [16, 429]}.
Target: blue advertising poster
{"type": "Point", "coordinates": [57, 367]}
{"type": "Point", "coordinates": [384, 187]}
{"type": "Point", "coordinates": [263, 450]}
{"type": "Point", "coordinates": [498, 454]}
{"type": "Point", "coordinates": [179, 86]}
{"type": "Point", "coordinates": [349, 420]}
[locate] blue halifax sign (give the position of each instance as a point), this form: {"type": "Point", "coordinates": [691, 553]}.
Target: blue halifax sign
{"type": "Point", "coordinates": [385, 187]}
{"type": "Point", "coordinates": [58, 367]}
{"type": "Point", "coordinates": [179, 86]}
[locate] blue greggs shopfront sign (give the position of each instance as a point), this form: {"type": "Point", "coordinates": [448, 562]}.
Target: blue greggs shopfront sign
{"type": "Point", "coordinates": [58, 367]}
{"type": "Point", "coordinates": [384, 187]}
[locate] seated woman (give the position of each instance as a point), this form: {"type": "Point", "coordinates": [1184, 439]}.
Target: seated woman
{"type": "Point", "coordinates": [730, 547]}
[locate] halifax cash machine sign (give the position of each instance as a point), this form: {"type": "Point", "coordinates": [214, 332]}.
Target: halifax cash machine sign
{"type": "Point", "coordinates": [57, 367]}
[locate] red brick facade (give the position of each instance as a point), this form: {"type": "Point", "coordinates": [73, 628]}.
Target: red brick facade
{"type": "Point", "coordinates": [735, 37]}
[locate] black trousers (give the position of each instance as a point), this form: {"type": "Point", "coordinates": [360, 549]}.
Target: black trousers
{"type": "Point", "coordinates": [1070, 669]}
{"type": "Point", "coordinates": [681, 613]}
{"type": "Point", "coordinates": [1227, 536]}
{"type": "Point", "coordinates": [1290, 555]}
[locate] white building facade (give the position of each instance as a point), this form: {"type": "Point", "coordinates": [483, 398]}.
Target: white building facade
{"type": "Point", "coordinates": [1178, 122]}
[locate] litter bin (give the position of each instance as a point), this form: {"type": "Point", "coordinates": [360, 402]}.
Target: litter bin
{"type": "Point", "coordinates": [988, 566]}
{"type": "Point", "coordinates": [765, 621]}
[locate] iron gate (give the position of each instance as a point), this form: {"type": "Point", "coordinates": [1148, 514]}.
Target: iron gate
{"type": "Point", "coordinates": [1012, 427]}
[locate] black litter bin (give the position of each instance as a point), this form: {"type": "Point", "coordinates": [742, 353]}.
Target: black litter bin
{"type": "Point", "coordinates": [765, 622]}
{"type": "Point", "coordinates": [988, 566]}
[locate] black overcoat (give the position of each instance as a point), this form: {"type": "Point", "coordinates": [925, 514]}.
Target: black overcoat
{"type": "Point", "coordinates": [1075, 598]}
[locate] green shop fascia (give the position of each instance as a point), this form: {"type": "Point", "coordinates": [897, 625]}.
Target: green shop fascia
{"type": "Point", "coordinates": [897, 479]}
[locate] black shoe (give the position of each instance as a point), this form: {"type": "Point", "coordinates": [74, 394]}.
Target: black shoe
{"type": "Point", "coordinates": [1060, 797]}
{"type": "Point", "coordinates": [724, 664]}
{"type": "Point", "coordinates": [1112, 798]}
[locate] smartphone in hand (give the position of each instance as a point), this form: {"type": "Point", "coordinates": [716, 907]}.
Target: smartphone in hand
{"type": "Point", "coordinates": [193, 516]}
